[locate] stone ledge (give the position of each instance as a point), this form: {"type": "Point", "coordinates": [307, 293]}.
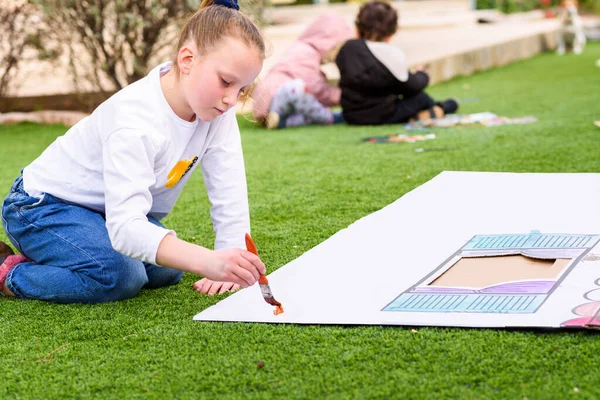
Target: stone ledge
{"type": "Point", "coordinates": [496, 55]}
{"type": "Point", "coordinates": [68, 118]}
{"type": "Point", "coordinates": [85, 102]}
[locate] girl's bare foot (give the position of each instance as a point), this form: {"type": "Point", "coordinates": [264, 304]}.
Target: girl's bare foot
{"type": "Point", "coordinates": [6, 291]}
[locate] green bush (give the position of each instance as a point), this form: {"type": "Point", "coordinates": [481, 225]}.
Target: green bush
{"type": "Point", "coordinates": [590, 6]}
{"type": "Point", "coordinates": [512, 6]}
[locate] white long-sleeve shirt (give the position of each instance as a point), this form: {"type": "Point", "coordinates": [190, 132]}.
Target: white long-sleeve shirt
{"type": "Point", "coordinates": [126, 161]}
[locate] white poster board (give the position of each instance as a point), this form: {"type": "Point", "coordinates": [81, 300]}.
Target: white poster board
{"type": "Point", "coordinates": [470, 249]}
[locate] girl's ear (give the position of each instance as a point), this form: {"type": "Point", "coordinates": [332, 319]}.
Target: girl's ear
{"type": "Point", "coordinates": [185, 56]}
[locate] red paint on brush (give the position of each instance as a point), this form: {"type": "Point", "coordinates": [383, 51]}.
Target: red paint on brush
{"type": "Point", "coordinates": [263, 281]}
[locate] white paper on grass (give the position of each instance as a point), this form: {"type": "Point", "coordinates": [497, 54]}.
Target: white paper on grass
{"type": "Point", "coordinates": [352, 276]}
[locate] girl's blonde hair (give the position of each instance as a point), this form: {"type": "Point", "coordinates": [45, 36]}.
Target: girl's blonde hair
{"type": "Point", "coordinates": [212, 22]}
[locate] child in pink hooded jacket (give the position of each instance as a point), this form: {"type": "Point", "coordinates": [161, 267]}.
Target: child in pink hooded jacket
{"type": "Point", "coordinates": [295, 91]}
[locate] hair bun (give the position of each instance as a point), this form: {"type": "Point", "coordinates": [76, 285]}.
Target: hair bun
{"type": "Point", "coordinates": [228, 3]}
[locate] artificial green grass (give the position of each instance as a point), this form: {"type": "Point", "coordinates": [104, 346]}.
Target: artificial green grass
{"type": "Point", "coordinates": [304, 185]}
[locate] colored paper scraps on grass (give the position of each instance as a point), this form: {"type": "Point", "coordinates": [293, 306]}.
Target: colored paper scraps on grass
{"type": "Point", "coordinates": [399, 138]}
{"type": "Point", "coordinates": [483, 118]}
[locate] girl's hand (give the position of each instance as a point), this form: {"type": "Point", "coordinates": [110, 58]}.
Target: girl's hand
{"type": "Point", "coordinates": [237, 266]}
{"type": "Point", "coordinates": [234, 265]}
{"type": "Point", "coordinates": [206, 286]}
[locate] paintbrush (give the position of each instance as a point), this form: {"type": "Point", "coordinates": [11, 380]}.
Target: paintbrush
{"type": "Point", "coordinates": [263, 282]}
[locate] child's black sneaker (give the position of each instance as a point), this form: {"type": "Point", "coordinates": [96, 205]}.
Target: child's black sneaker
{"type": "Point", "coordinates": [449, 106]}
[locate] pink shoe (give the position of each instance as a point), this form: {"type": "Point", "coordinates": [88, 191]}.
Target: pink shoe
{"type": "Point", "coordinates": [8, 263]}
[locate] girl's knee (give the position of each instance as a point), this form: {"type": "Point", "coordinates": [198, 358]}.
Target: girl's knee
{"type": "Point", "coordinates": [160, 276]}
{"type": "Point", "coordinates": [124, 279]}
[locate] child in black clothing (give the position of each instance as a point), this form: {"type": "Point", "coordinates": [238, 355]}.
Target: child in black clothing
{"type": "Point", "coordinates": [377, 87]}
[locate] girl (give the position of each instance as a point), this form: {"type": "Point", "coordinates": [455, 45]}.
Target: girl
{"type": "Point", "coordinates": [377, 87]}
{"type": "Point", "coordinates": [86, 214]}
{"type": "Point", "coordinates": [295, 91]}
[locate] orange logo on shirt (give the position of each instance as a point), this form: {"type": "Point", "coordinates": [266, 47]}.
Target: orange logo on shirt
{"type": "Point", "coordinates": [179, 170]}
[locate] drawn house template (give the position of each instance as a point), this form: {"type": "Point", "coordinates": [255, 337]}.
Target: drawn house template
{"type": "Point", "coordinates": [507, 273]}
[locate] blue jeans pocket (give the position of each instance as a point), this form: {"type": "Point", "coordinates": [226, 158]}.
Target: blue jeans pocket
{"type": "Point", "coordinates": [22, 204]}
{"type": "Point", "coordinates": [12, 239]}
{"type": "Point", "coordinates": [33, 202]}
{"type": "Point", "coordinates": [15, 208]}
{"type": "Point", "coordinates": [19, 201]}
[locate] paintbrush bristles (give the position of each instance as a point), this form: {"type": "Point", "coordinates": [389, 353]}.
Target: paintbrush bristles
{"type": "Point", "coordinates": [263, 281]}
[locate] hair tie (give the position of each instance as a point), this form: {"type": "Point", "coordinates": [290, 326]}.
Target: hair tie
{"type": "Point", "coordinates": [228, 3]}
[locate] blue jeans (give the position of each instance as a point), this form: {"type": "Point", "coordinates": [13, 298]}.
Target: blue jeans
{"type": "Point", "coordinates": [72, 259]}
